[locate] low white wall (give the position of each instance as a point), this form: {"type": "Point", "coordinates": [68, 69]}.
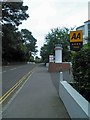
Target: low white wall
{"type": "Point", "coordinates": [76, 105]}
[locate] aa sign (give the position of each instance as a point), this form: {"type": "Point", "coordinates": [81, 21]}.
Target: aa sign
{"type": "Point", "coordinates": [76, 36]}
{"type": "Point", "coordinates": [76, 40]}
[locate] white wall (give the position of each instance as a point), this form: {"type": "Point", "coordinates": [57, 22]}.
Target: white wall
{"type": "Point", "coordinates": [86, 29]}
{"type": "Point", "coordinates": [76, 105]}
{"type": "Point", "coordinates": [58, 56]}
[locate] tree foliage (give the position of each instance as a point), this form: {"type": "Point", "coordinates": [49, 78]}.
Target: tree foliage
{"type": "Point", "coordinates": [56, 36]}
{"type": "Point", "coordinates": [29, 42]}
{"type": "Point", "coordinates": [16, 45]}
{"type": "Point", "coordinates": [44, 53]}
{"type": "Point", "coordinates": [81, 71]}
{"type": "Point", "coordinates": [13, 13]}
{"type": "Point", "coordinates": [10, 44]}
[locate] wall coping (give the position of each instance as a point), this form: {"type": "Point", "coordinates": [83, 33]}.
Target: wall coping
{"type": "Point", "coordinates": [78, 98]}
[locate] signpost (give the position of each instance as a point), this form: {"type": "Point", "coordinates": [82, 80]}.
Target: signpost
{"type": "Point", "coordinates": [51, 58]}
{"type": "Point", "coordinates": [76, 40]}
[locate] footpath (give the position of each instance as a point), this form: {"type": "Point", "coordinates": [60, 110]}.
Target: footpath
{"type": "Point", "coordinates": [38, 98]}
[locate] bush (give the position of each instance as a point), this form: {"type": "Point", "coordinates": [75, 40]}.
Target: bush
{"type": "Point", "coordinates": [81, 71]}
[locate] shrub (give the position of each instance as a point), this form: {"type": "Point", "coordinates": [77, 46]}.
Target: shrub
{"type": "Point", "coordinates": [81, 71]}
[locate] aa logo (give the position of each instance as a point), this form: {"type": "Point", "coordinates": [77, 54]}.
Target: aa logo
{"type": "Point", "coordinates": [76, 36]}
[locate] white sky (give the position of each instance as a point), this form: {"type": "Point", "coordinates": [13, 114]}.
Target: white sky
{"type": "Point", "coordinates": [48, 14]}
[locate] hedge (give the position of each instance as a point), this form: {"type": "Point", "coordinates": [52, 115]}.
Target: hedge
{"type": "Point", "coordinates": [81, 71]}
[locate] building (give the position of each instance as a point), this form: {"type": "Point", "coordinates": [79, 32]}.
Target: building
{"type": "Point", "coordinates": [85, 30]}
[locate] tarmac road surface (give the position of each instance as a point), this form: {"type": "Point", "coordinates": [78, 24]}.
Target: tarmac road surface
{"type": "Point", "coordinates": [38, 98]}
{"type": "Point", "coordinates": [11, 74]}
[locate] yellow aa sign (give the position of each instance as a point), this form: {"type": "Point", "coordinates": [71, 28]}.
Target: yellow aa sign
{"type": "Point", "coordinates": [76, 36]}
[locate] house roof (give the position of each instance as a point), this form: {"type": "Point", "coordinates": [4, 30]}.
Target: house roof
{"type": "Point", "coordinates": [83, 25]}
{"type": "Point", "coordinates": [80, 26]}
{"type": "Point", "coordinates": [87, 21]}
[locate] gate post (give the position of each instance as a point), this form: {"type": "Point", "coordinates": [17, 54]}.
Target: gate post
{"type": "Point", "coordinates": [58, 53]}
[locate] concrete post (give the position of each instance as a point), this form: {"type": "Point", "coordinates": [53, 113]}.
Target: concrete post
{"type": "Point", "coordinates": [58, 53]}
{"type": "Point", "coordinates": [61, 76]}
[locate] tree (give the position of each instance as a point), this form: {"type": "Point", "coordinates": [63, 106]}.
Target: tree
{"type": "Point", "coordinates": [29, 41]}
{"type": "Point", "coordinates": [44, 53]}
{"type": "Point", "coordinates": [13, 13]}
{"type": "Point", "coordinates": [56, 36]}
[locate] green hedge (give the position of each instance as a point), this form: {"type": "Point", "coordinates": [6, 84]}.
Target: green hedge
{"type": "Point", "coordinates": [81, 71]}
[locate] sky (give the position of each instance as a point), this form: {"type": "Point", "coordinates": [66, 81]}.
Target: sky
{"type": "Point", "coordinates": [48, 14]}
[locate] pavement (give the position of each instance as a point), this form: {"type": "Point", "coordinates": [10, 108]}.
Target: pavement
{"type": "Point", "coordinates": [38, 98]}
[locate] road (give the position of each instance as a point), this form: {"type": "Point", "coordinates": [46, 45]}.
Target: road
{"type": "Point", "coordinates": [11, 74]}
{"type": "Point", "coordinates": [37, 98]}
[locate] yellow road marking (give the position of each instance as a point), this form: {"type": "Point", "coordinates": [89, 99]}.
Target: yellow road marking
{"type": "Point", "coordinates": [11, 90]}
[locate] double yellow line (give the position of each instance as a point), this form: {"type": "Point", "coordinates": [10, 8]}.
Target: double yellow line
{"type": "Point", "coordinates": [11, 90]}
